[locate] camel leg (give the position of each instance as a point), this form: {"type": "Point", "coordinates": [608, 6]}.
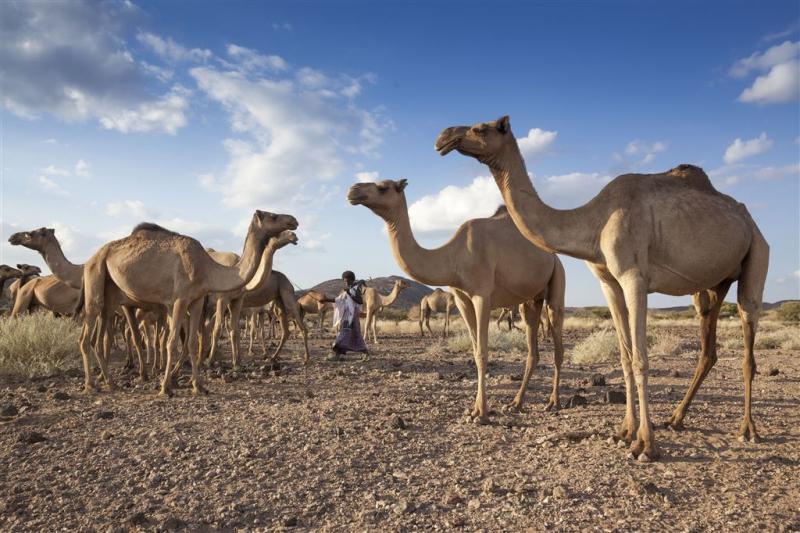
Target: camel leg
{"type": "Point", "coordinates": [374, 327]}
{"type": "Point", "coordinates": [554, 320]}
{"type": "Point", "coordinates": [106, 319]}
{"type": "Point", "coordinates": [235, 309]}
{"type": "Point", "coordinates": [133, 325]}
{"type": "Point", "coordinates": [283, 322]}
{"type": "Point", "coordinates": [446, 322]}
{"type": "Point", "coordinates": [749, 297]}
{"type": "Point", "coordinates": [24, 297]}
{"type": "Point", "coordinates": [619, 314]}
{"type": "Point", "coordinates": [467, 311]}
{"type": "Point", "coordinates": [367, 322]}
{"type": "Point", "coordinates": [531, 319]}
{"type": "Point", "coordinates": [178, 313]}
{"type": "Point", "coordinates": [428, 322]}
{"type": "Point", "coordinates": [219, 319]}
{"type": "Point", "coordinates": [635, 289]}
{"type": "Point", "coordinates": [85, 345]}
{"type": "Point", "coordinates": [482, 315]}
{"type": "Point", "coordinates": [421, 320]}
{"type": "Point", "coordinates": [193, 345]}
{"type": "Point", "coordinates": [707, 304]}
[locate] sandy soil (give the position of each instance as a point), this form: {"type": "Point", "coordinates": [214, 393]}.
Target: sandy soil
{"type": "Point", "coordinates": [384, 445]}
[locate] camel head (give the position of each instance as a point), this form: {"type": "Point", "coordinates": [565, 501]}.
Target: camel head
{"type": "Point", "coordinates": [381, 197]}
{"type": "Point", "coordinates": [35, 239]}
{"type": "Point", "coordinates": [285, 237]}
{"type": "Point", "coordinates": [267, 225]}
{"type": "Point", "coordinates": [7, 272]}
{"type": "Point", "coordinates": [483, 141]}
{"type": "Point", "coordinates": [401, 284]}
{"type": "Point", "coordinates": [29, 270]}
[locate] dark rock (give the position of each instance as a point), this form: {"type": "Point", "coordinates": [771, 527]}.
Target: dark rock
{"type": "Point", "coordinates": [9, 410]}
{"type": "Point", "coordinates": [598, 380]}
{"type": "Point", "coordinates": [398, 423]}
{"type": "Point", "coordinates": [137, 519]}
{"type": "Point", "coordinates": [41, 388]}
{"type": "Point", "coordinates": [31, 437]}
{"type": "Point", "coordinates": [61, 395]}
{"type": "Point", "coordinates": [773, 371]}
{"type": "Point", "coordinates": [104, 415]}
{"type": "Point", "coordinates": [73, 373]}
{"type": "Point", "coordinates": [615, 396]}
{"type": "Point", "coordinates": [576, 400]}
{"type": "Point", "coordinates": [172, 524]}
{"type": "Point", "coordinates": [290, 522]}
{"type": "Point", "coordinates": [675, 374]}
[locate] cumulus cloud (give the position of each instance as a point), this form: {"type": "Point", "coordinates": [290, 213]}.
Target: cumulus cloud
{"type": "Point", "coordinates": [781, 81]}
{"type": "Point", "coordinates": [453, 205]}
{"type": "Point", "coordinates": [740, 150]}
{"type": "Point", "coordinates": [252, 60]}
{"type": "Point", "coordinates": [82, 168]}
{"type": "Point", "coordinates": [775, 173]}
{"type": "Point", "coordinates": [366, 177]}
{"type": "Point", "coordinates": [572, 189]}
{"type": "Point", "coordinates": [51, 186]}
{"type": "Point", "coordinates": [639, 153]}
{"type": "Point", "coordinates": [128, 208]}
{"type": "Point", "coordinates": [294, 130]}
{"type": "Point", "coordinates": [537, 142]}
{"type": "Point", "coordinates": [172, 51]}
{"type": "Point", "coordinates": [69, 59]}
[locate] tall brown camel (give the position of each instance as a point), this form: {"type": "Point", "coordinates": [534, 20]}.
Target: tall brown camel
{"type": "Point", "coordinates": [158, 267]}
{"type": "Point", "coordinates": [232, 301]}
{"type": "Point", "coordinates": [46, 292]}
{"type": "Point", "coordinates": [279, 290]}
{"type": "Point", "coordinates": [374, 302]}
{"type": "Point", "coordinates": [439, 301]}
{"type": "Point", "coordinates": [314, 303]}
{"type": "Point", "coordinates": [28, 273]}
{"type": "Point", "coordinates": [487, 263]}
{"type": "Point", "coordinates": [70, 277]}
{"type": "Point", "coordinates": [671, 233]}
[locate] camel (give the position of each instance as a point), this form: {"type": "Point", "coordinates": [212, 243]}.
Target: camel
{"type": "Point", "coordinates": [374, 302]}
{"type": "Point", "coordinates": [509, 314]}
{"type": "Point", "coordinates": [158, 267]}
{"type": "Point", "coordinates": [8, 272]}
{"type": "Point", "coordinates": [279, 290]}
{"type": "Point", "coordinates": [671, 233]}
{"type": "Point", "coordinates": [315, 303]}
{"type": "Point", "coordinates": [28, 273]}
{"type": "Point", "coordinates": [69, 278]}
{"type": "Point", "coordinates": [46, 292]}
{"type": "Point", "coordinates": [438, 301]}
{"type": "Point", "coordinates": [232, 301]}
{"type": "Point", "coordinates": [486, 264]}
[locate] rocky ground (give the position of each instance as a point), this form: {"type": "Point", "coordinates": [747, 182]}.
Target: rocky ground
{"type": "Point", "coordinates": [384, 445]}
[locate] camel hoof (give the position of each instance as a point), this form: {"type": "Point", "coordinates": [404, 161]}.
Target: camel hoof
{"type": "Point", "coordinates": [165, 393]}
{"type": "Point", "coordinates": [90, 389]}
{"type": "Point", "coordinates": [552, 406]}
{"type": "Point", "coordinates": [513, 407]}
{"type": "Point", "coordinates": [112, 387]}
{"type": "Point", "coordinates": [644, 452]}
{"type": "Point", "coordinates": [674, 425]}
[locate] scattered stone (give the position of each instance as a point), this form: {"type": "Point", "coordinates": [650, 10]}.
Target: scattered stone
{"type": "Point", "coordinates": [137, 519]}
{"type": "Point", "coordinates": [403, 506]}
{"type": "Point", "coordinates": [41, 388]}
{"type": "Point", "coordinates": [104, 415]}
{"type": "Point", "coordinates": [675, 374]}
{"type": "Point", "coordinates": [172, 524]}
{"type": "Point", "coordinates": [559, 492]}
{"type": "Point", "coordinates": [452, 498]}
{"type": "Point", "coordinates": [61, 395]}
{"type": "Point", "coordinates": [398, 423]}
{"type": "Point", "coordinates": [576, 400]}
{"type": "Point", "coordinates": [474, 504]}
{"type": "Point", "coordinates": [9, 410]}
{"type": "Point", "coordinates": [615, 396]}
{"type": "Point", "coordinates": [773, 371]}
{"type": "Point", "coordinates": [31, 437]}
{"type": "Point", "coordinates": [458, 521]}
{"type": "Point", "coordinates": [598, 380]}
{"type": "Point", "coordinates": [74, 373]}
{"type": "Point", "coordinates": [489, 486]}
{"type": "Point", "coordinates": [106, 435]}
{"type": "Point", "coordinates": [290, 522]}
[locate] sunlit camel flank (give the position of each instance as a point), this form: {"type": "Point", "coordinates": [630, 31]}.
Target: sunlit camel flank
{"type": "Point", "coordinates": [374, 302]}
{"type": "Point", "coordinates": [487, 263]}
{"type": "Point", "coordinates": [438, 301]}
{"type": "Point", "coordinates": [671, 233]}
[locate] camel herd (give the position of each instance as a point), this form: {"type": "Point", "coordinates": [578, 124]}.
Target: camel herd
{"type": "Point", "coordinates": [671, 233]}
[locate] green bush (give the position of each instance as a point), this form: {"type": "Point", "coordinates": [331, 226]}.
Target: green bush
{"type": "Point", "coordinates": [789, 311]}
{"type": "Point", "coordinates": [728, 310]}
{"type": "Point", "coordinates": [38, 345]}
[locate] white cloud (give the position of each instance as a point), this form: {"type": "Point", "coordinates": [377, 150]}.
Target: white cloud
{"type": "Point", "coordinates": [291, 135]}
{"type": "Point", "coordinates": [639, 153]}
{"type": "Point", "coordinates": [128, 208]}
{"type": "Point", "coordinates": [366, 177]}
{"type": "Point", "coordinates": [792, 276]}
{"type": "Point", "coordinates": [207, 181]}
{"type": "Point", "coordinates": [740, 150]}
{"type": "Point", "coordinates": [66, 236]}
{"type": "Point", "coordinates": [252, 60]}
{"type": "Point", "coordinates": [52, 170]}
{"type": "Point", "coordinates": [537, 142]}
{"type": "Point", "coordinates": [452, 206]}
{"type": "Point", "coordinates": [774, 173]}
{"type": "Point", "coordinates": [82, 168]}
{"type": "Point", "coordinates": [572, 189]}
{"type": "Point", "coordinates": [50, 141]}
{"type": "Point", "coordinates": [781, 83]}
{"type": "Point", "coordinates": [70, 60]}
{"type": "Point", "coordinates": [51, 186]}
{"type": "Point", "coordinates": [165, 114]}
{"type": "Point", "coordinates": [172, 51]}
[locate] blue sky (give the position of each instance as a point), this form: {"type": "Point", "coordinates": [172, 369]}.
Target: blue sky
{"type": "Point", "coordinates": [194, 114]}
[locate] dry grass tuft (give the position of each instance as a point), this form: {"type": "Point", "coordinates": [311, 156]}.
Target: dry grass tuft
{"type": "Point", "coordinates": [499, 341]}
{"type": "Point", "coordinates": [600, 346]}
{"type": "Point", "coordinates": [37, 345]}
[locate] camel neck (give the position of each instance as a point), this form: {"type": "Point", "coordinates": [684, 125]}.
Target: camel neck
{"type": "Point", "coordinates": [264, 268]}
{"type": "Point", "coordinates": [432, 267]}
{"type": "Point", "coordinates": [391, 297]}
{"type": "Point", "coordinates": [568, 231]}
{"type": "Point", "coordinates": [62, 269]}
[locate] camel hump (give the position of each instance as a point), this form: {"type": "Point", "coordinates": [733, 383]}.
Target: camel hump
{"type": "Point", "coordinates": [692, 174]}
{"type": "Point", "coordinates": [150, 226]}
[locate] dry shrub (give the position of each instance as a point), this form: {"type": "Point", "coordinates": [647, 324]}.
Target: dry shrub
{"type": "Point", "coordinates": [769, 338]}
{"type": "Point", "coordinates": [664, 342]}
{"type": "Point", "coordinates": [600, 346]}
{"type": "Point", "coordinates": [413, 313]}
{"type": "Point", "coordinates": [499, 341]}
{"type": "Point", "coordinates": [37, 345]}
{"type": "Point", "coordinates": [393, 313]}
{"type": "Point", "coordinates": [789, 312]}
{"type": "Point", "coordinates": [582, 323]}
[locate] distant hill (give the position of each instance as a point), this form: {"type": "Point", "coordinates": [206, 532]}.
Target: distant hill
{"type": "Point", "coordinates": [765, 305]}
{"type": "Point", "coordinates": [408, 298]}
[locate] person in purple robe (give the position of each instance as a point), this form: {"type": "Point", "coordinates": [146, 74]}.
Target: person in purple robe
{"type": "Point", "coordinates": [347, 310]}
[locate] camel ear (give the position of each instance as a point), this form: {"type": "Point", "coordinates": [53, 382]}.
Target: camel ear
{"type": "Point", "coordinates": [401, 185]}
{"type": "Point", "coordinates": [503, 124]}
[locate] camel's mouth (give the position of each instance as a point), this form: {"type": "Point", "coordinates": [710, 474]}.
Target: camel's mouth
{"type": "Point", "coordinates": [355, 197]}
{"type": "Point", "coordinates": [449, 138]}
{"type": "Point", "coordinates": [16, 239]}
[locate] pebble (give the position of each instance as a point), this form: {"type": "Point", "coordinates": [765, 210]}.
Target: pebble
{"type": "Point", "coordinates": [615, 396]}
{"type": "Point", "coordinates": [9, 410]}
{"type": "Point", "coordinates": [774, 371]}
{"type": "Point", "coordinates": [576, 400]}
{"type": "Point", "coordinates": [559, 492]}
{"type": "Point", "coordinates": [290, 522]}
{"type": "Point", "coordinates": [474, 504]}
{"type": "Point", "coordinates": [31, 437]}
{"type": "Point", "coordinates": [61, 395]}
{"type": "Point", "coordinates": [106, 435]}
{"type": "Point", "coordinates": [172, 524]}
{"type": "Point", "coordinates": [398, 423]}
{"type": "Point", "coordinates": [598, 380]}
{"type": "Point", "coordinates": [675, 374]}
{"type": "Point", "coordinates": [137, 519]}
{"type": "Point", "coordinates": [452, 498]}
{"type": "Point", "coordinates": [104, 415]}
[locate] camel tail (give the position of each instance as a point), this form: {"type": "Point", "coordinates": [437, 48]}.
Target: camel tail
{"type": "Point", "coordinates": [79, 305]}
{"type": "Point", "coordinates": [556, 289]}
